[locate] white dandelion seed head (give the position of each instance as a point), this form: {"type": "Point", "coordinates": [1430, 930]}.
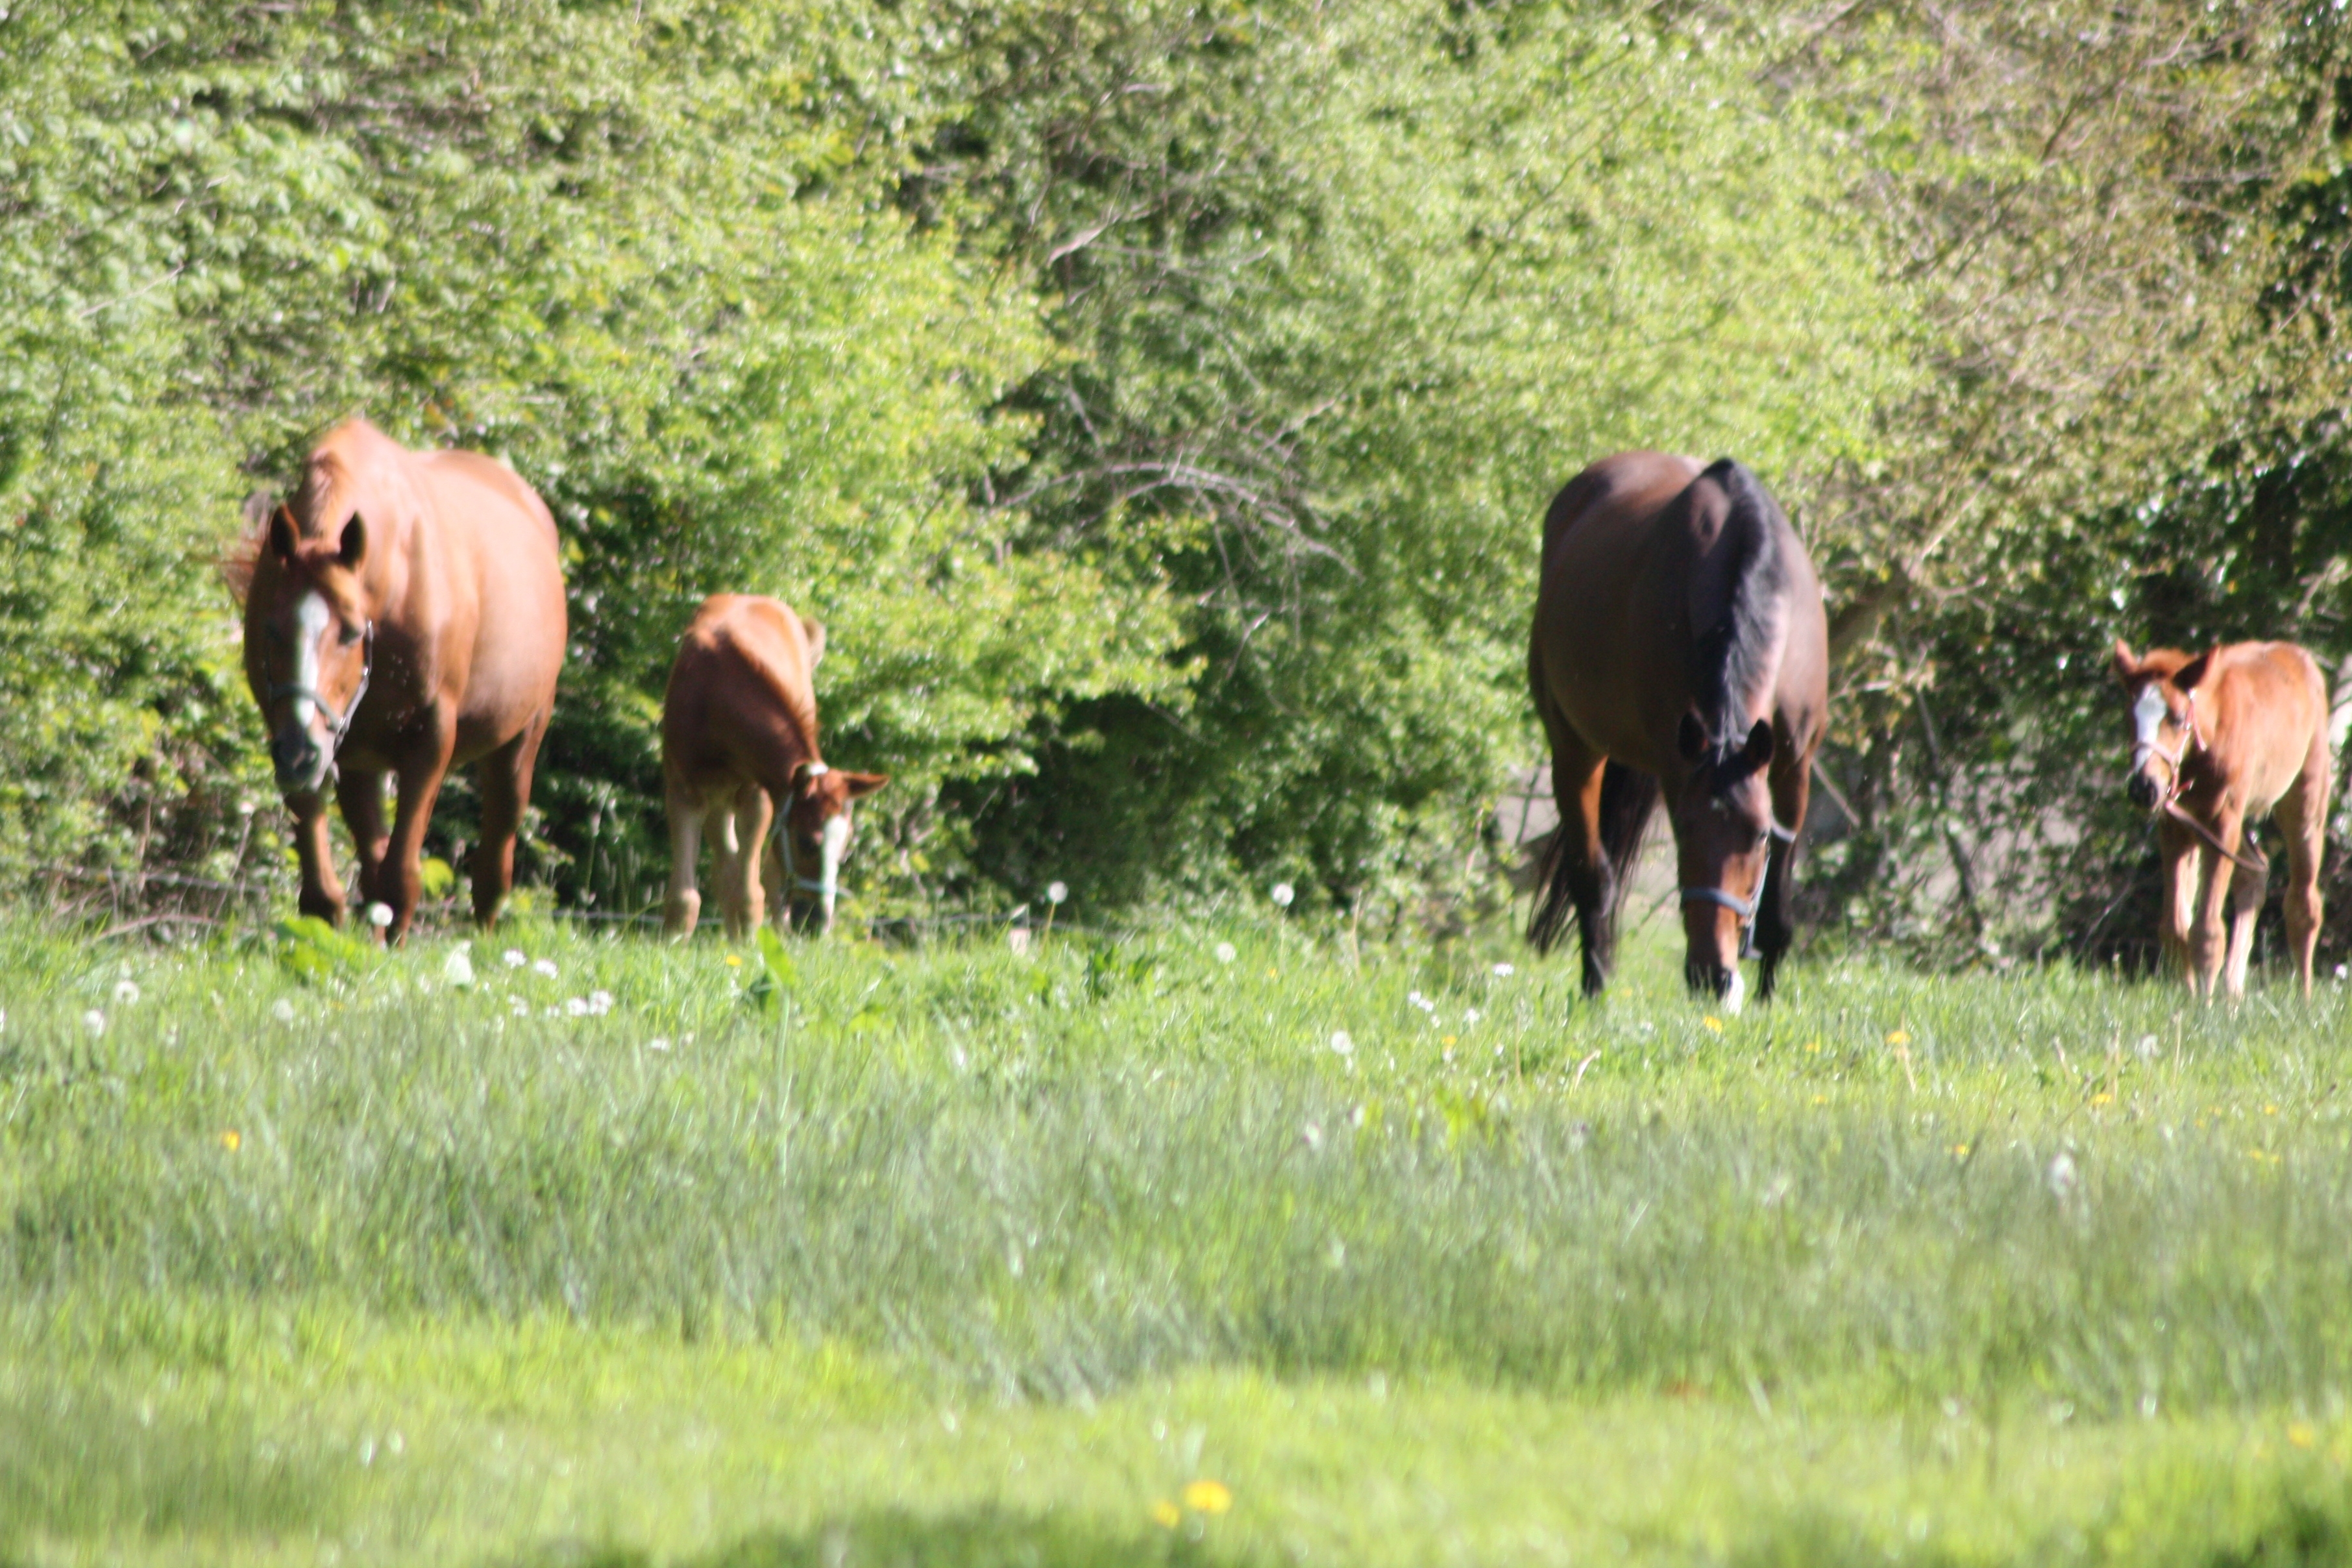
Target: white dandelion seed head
{"type": "Point", "coordinates": [600, 1003]}
{"type": "Point", "coordinates": [515, 960]}
{"type": "Point", "coordinates": [457, 969]}
{"type": "Point", "coordinates": [95, 1022]}
{"type": "Point", "coordinates": [2062, 1176]}
{"type": "Point", "coordinates": [1056, 891]}
{"type": "Point", "coordinates": [1282, 893]}
{"type": "Point", "coordinates": [379, 915]}
{"type": "Point", "coordinates": [1503, 972]}
{"type": "Point", "coordinates": [126, 993]}
{"type": "Point", "coordinates": [282, 1010]}
{"type": "Point", "coordinates": [545, 967]}
{"type": "Point", "coordinates": [658, 1043]}
{"type": "Point", "coordinates": [1342, 1043]}
{"type": "Point", "coordinates": [1224, 951]}
{"type": "Point", "coordinates": [519, 1008]}
{"type": "Point", "coordinates": [1470, 1016]}
{"type": "Point", "coordinates": [575, 1007]}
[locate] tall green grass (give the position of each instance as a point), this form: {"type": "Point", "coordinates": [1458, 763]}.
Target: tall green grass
{"type": "Point", "coordinates": [1041, 1180]}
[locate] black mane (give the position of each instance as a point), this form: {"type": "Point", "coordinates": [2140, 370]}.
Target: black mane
{"type": "Point", "coordinates": [1735, 644]}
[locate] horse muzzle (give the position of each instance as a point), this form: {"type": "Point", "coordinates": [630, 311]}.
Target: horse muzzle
{"type": "Point", "coordinates": [2145, 792]}
{"type": "Point", "coordinates": [298, 761]}
{"type": "Point", "coordinates": [1717, 980]}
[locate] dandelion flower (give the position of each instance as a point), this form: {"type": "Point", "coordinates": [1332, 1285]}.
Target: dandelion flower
{"type": "Point", "coordinates": [1712, 1023]}
{"type": "Point", "coordinates": [2062, 1175]}
{"type": "Point", "coordinates": [2302, 1434]}
{"type": "Point", "coordinates": [1814, 1047]}
{"type": "Point", "coordinates": [1166, 1514]}
{"type": "Point", "coordinates": [1960, 1151]}
{"type": "Point", "coordinates": [2102, 1097]}
{"type": "Point", "coordinates": [1342, 1043]}
{"type": "Point", "coordinates": [1224, 951]}
{"type": "Point", "coordinates": [1503, 972]}
{"type": "Point", "coordinates": [1282, 893]}
{"type": "Point", "coordinates": [126, 993]}
{"type": "Point", "coordinates": [545, 967]}
{"type": "Point", "coordinates": [1899, 1037]}
{"type": "Point", "coordinates": [658, 1043]}
{"type": "Point", "coordinates": [95, 1022]}
{"type": "Point", "coordinates": [515, 960]}
{"type": "Point", "coordinates": [575, 1007]}
{"type": "Point", "coordinates": [231, 1140]}
{"type": "Point", "coordinates": [282, 1010]}
{"type": "Point", "coordinates": [1208, 1497]}
{"type": "Point", "coordinates": [734, 961]}
{"type": "Point", "coordinates": [600, 1003]}
{"type": "Point", "coordinates": [379, 915]}
{"type": "Point", "coordinates": [1456, 1040]}
{"type": "Point", "coordinates": [1056, 891]}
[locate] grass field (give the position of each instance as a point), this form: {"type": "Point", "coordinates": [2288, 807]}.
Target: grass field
{"type": "Point", "coordinates": [1132, 1251]}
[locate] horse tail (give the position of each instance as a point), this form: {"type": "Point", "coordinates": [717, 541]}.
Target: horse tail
{"type": "Point", "coordinates": [1628, 797]}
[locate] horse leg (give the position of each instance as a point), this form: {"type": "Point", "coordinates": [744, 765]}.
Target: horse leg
{"type": "Point", "coordinates": [1792, 785]}
{"type": "Point", "coordinates": [323, 891]}
{"type": "Point", "coordinates": [398, 878]}
{"type": "Point", "coordinates": [683, 908]}
{"type": "Point", "coordinates": [2303, 818]}
{"type": "Point", "coordinates": [2205, 937]}
{"type": "Point", "coordinates": [752, 814]}
{"type": "Point", "coordinates": [2246, 894]}
{"type": "Point", "coordinates": [1582, 865]}
{"type": "Point", "coordinates": [504, 778]}
{"type": "Point", "coordinates": [361, 795]}
{"type": "Point", "coordinates": [727, 871]}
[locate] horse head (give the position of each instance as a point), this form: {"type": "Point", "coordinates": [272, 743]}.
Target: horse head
{"type": "Point", "coordinates": [2160, 694]}
{"type": "Point", "coordinates": [816, 831]}
{"type": "Point", "coordinates": [1723, 843]}
{"type": "Point", "coordinates": [309, 663]}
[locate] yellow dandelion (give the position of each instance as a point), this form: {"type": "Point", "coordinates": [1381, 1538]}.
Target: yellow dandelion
{"type": "Point", "coordinates": [2270, 1110]}
{"type": "Point", "coordinates": [734, 961]}
{"type": "Point", "coordinates": [1166, 1514]}
{"type": "Point", "coordinates": [2103, 1097]}
{"type": "Point", "coordinates": [1961, 1149]}
{"type": "Point", "coordinates": [1821, 1100]}
{"type": "Point", "coordinates": [1451, 1040]}
{"type": "Point", "coordinates": [2302, 1434]}
{"type": "Point", "coordinates": [1814, 1047]}
{"type": "Point", "coordinates": [1274, 974]}
{"type": "Point", "coordinates": [231, 1140]}
{"type": "Point", "coordinates": [1208, 1497]}
{"type": "Point", "coordinates": [1712, 1022]}
{"type": "Point", "coordinates": [1899, 1037]}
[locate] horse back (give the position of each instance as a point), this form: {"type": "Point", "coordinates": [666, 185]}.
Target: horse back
{"type": "Point", "coordinates": [741, 701]}
{"type": "Point", "coordinates": [2268, 710]}
{"type": "Point", "coordinates": [498, 606]}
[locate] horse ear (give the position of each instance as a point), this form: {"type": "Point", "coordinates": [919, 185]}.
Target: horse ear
{"type": "Point", "coordinates": [283, 536]}
{"type": "Point", "coordinates": [355, 546]}
{"type": "Point", "coordinates": [816, 630]}
{"type": "Point", "coordinates": [1690, 738]}
{"type": "Point", "coordinates": [2187, 677]}
{"type": "Point", "coordinates": [2126, 662]}
{"type": "Point", "coordinates": [863, 785]}
{"type": "Point", "coordinates": [1759, 750]}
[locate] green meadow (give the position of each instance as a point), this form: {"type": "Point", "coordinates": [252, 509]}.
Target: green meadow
{"type": "Point", "coordinates": [1216, 1244]}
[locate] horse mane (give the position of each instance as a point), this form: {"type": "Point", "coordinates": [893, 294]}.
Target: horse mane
{"type": "Point", "coordinates": [1735, 653]}
{"type": "Point", "coordinates": [242, 559]}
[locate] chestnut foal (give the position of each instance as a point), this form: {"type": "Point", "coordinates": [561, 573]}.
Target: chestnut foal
{"type": "Point", "coordinates": [2220, 740]}
{"type": "Point", "coordinates": [739, 737]}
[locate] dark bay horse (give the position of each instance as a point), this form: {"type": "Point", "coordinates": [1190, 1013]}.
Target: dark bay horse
{"type": "Point", "coordinates": [1679, 645]}
{"type": "Point", "coordinates": [403, 615]}
{"type": "Point", "coordinates": [739, 737]}
{"type": "Point", "coordinates": [2219, 741]}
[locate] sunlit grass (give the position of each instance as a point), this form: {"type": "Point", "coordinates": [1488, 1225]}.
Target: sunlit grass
{"type": "Point", "coordinates": [685, 1249]}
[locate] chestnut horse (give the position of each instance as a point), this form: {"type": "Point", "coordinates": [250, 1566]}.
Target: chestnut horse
{"type": "Point", "coordinates": [2219, 742]}
{"type": "Point", "coordinates": [1679, 643]}
{"type": "Point", "coordinates": [403, 615]}
{"type": "Point", "coordinates": [739, 735]}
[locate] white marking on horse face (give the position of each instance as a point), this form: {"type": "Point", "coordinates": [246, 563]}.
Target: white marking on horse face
{"type": "Point", "coordinates": [833, 842]}
{"type": "Point", "coordinates": [311, 616]}
{"type": "Point", "coordinates": [1735, 995]}
{"type": "Point", "coordinates": [2149, 710]}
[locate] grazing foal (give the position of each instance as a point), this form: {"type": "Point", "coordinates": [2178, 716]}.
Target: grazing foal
{"type": "Point", "coordinates": [2219, 741]}
{"type": "Point", "coordinates": [739, 734]}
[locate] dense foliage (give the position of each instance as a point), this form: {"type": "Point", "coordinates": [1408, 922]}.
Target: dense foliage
{"type": "Point", "coordinates": [1156, 399]}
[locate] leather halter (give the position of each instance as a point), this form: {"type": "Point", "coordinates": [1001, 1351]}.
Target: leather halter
{"type": "Point", "coordinates": [337, 724]}
{"type": "Point", "coordinates": [2191, 741]}
{"type": "Point", "coordinates": [1745, 909]}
